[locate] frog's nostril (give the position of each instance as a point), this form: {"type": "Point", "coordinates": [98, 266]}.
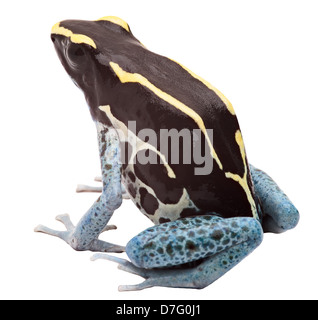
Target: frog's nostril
{"type": "Point", "coordinates": [53, 38]}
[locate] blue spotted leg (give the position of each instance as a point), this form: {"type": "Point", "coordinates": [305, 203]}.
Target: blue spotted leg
{"type": "Point", "coordinates": [163, 254]}
{"type": "Point", "coordinates": [85, 188]}
{"type": "Point", "coordinates": [194, 252]}
{"type": "Point", "coordinates": [279, 213]}
{"type": "Point", "coordinates": [84, 236]}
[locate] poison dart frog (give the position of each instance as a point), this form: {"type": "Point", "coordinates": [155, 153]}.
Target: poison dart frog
{"type": "Point", "coordinates": [207, 216]}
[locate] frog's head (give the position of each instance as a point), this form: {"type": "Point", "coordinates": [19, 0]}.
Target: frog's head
{"type": "Point", "coordinates": [85, 49]}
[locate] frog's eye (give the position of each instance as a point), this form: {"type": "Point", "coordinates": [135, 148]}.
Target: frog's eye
{"type": "Point", "coordinates": [79, 52]}
{"type": "Point", "coordinates": [76, 55]}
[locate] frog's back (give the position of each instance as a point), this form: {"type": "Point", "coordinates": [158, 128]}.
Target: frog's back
{"type": "Point", "coordinates": [159, 93]}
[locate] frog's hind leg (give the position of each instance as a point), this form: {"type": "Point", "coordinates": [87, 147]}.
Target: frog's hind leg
{"type": "Point", "coordinates": [190, 252]}
{"type": "Point", "coordinates": [279, 212]}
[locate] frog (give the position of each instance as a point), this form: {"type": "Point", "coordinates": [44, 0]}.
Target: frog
{"type": "Point", "coordinates": [204, 224]}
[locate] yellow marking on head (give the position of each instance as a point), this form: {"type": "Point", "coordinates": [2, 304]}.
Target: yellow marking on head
{"type": "Point", "coordinates": [116, 20]}
{"type": "Point", "coordinates": [209, 85]}
{"type": "Point", "coordinates": [243, 180]}
{"type": "Point", "coordinates": [74, 37]}
{"type": "Point", "coordinates": [138, 78]}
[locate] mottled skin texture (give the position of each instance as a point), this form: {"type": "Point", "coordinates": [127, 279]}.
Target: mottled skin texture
{"type": "Point", "coordinates": [214, 221]}
{"type": "Point", "coordinates": [279, 212]}
{"type": "Point", "coordinates": [190, 239]}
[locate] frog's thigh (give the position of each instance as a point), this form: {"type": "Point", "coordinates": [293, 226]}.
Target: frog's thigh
{"type": "Point", "coordinates": [279, 212]}
{"type": "Point", "coordinates": [217, 245]}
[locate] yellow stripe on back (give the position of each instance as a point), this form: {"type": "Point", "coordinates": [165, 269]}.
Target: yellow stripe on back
{"type": "Point", "coordinates": [138, 78]}
{"type": "Point", "coordinates": [243, 180]}
{"type": "Point", "coordinates": [74, 37]}
{"type": "Point", "coordinates": [209, 85]}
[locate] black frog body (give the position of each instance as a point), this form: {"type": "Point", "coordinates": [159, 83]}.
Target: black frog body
{"type": "Point", "coordinates": [124, 81]}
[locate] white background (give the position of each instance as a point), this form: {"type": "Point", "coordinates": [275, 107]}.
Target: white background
{"type": "Point", "coordinates": [261, 54]}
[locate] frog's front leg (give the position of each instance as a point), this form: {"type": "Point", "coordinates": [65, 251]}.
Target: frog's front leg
{"type": "Point", "coordinates": [84, 236]}
{"type": "Point", "coordinates": [190, 252]}
{"type": "Point", "coordinates": [85, 188]}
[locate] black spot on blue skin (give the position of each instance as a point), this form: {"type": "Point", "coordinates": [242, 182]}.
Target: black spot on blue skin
{"type": "Point", "coordinates": [160, 250]}
{"type": "Point", "coordinates": [190, 245]}
{"type": "Point", "coordinates": [234, 224]}
{"type": "Point", "coordinates": [233, 234]}
{"type": "Point", "coordinates": [108, 166]}
{"type": "Point", "coordinates": [164, 238]}
{"type": "Point", "coordinates": [191, 234]}
{"type": "Point", "coordinates": [217, 235]}
{"type": "Point", "coordinates": [169, 249]}
{"type": "Point", "coordinates": [179, 247]}
{"type": "Point", "coordinates": [225, 242]}
{"type": "Point", "coordinates": [150, 245]}
{"type": "Point", "coordinates": [245, 229]}
{"type": "Point", "coordinates": [103, 148]}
